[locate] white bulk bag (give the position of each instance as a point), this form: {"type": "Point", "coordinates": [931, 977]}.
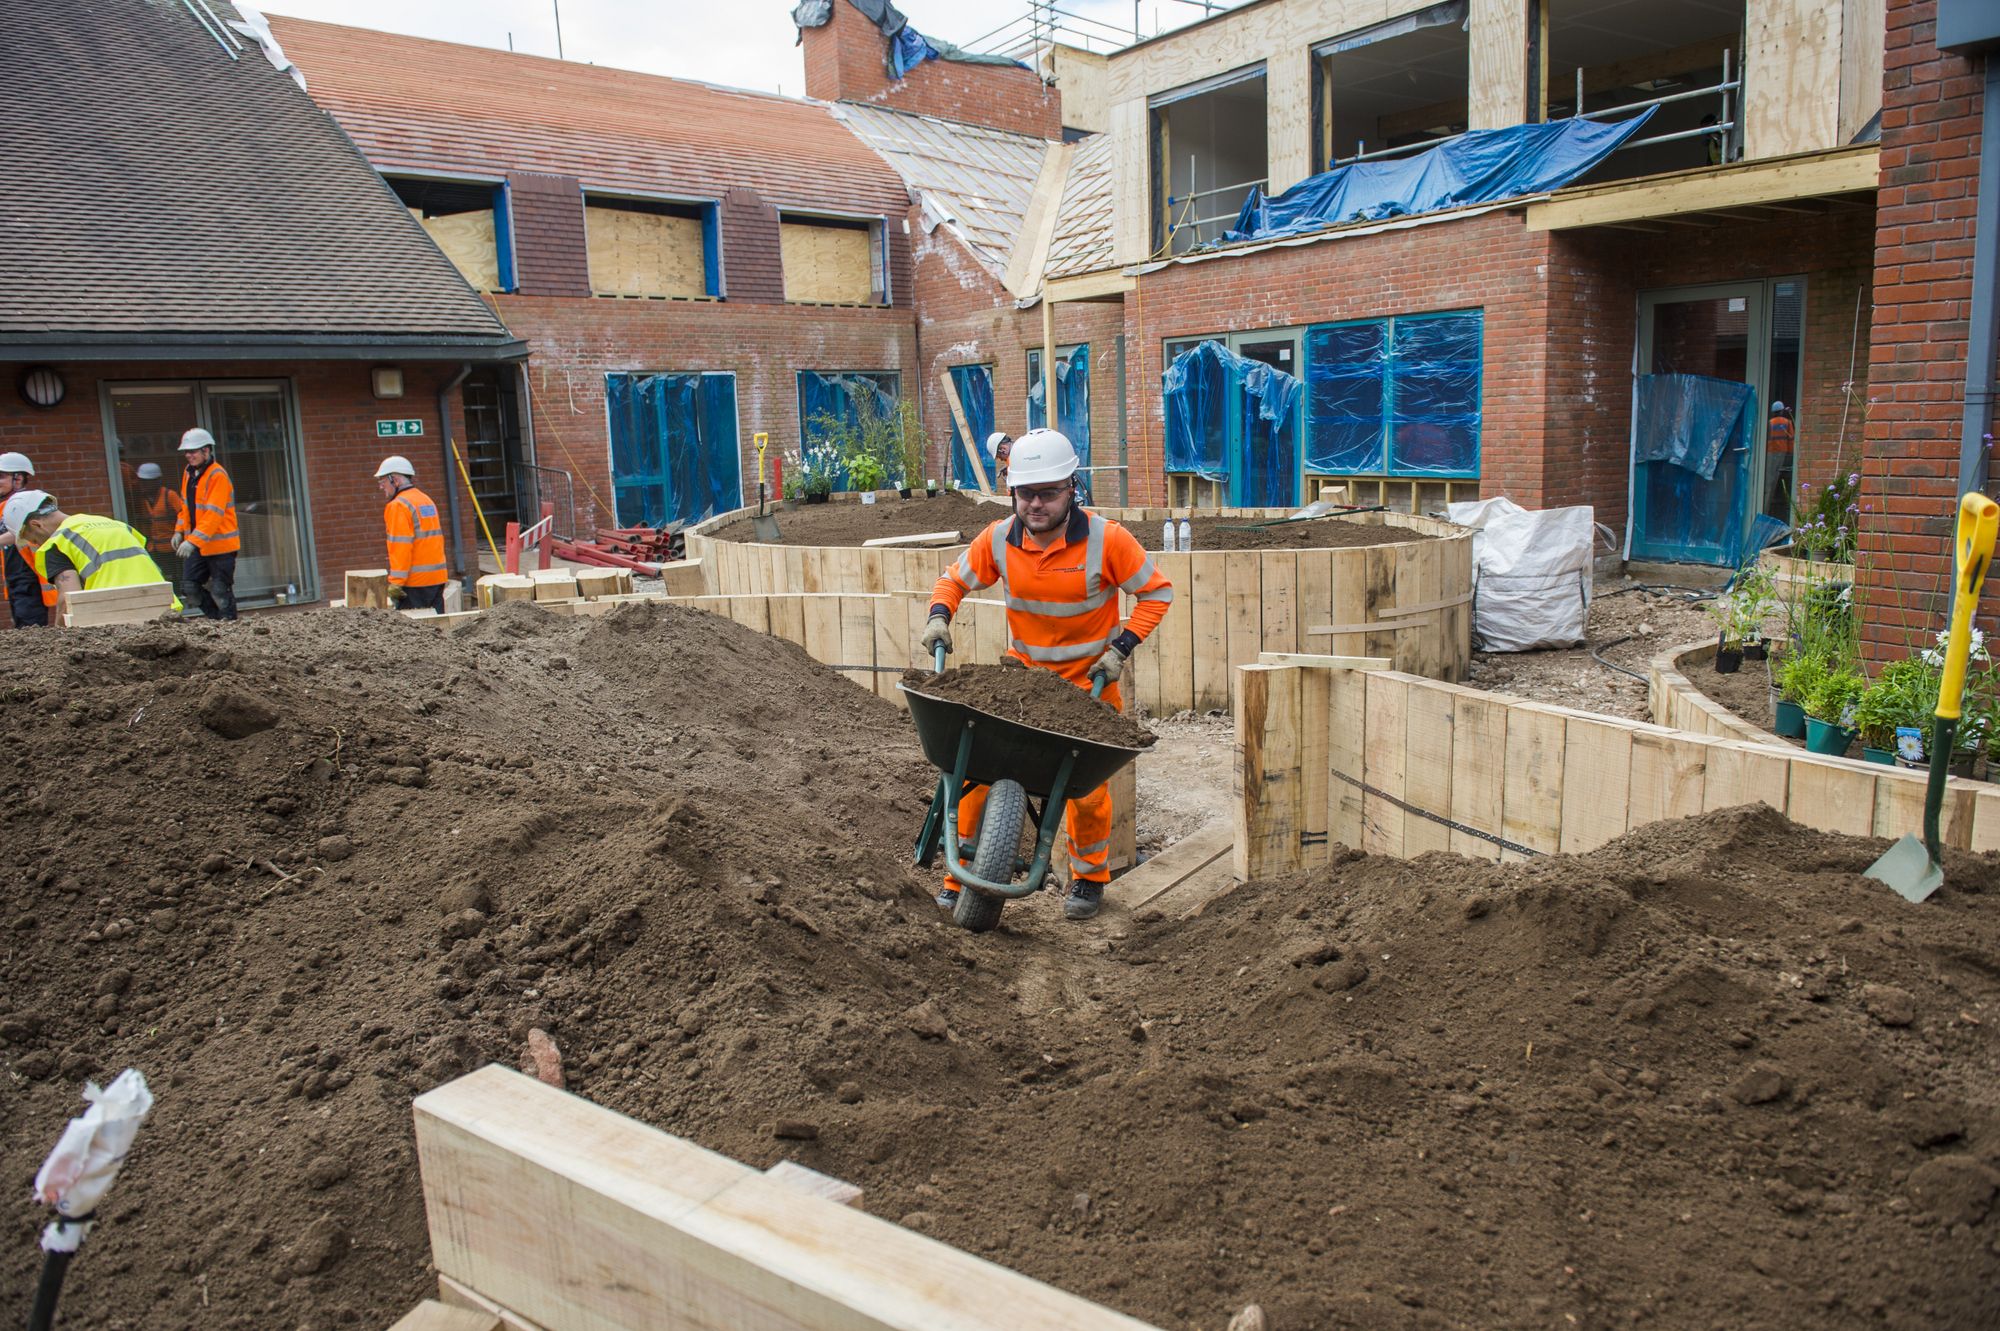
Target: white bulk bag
{"type": "Point", "coordinates": [1531, 574]}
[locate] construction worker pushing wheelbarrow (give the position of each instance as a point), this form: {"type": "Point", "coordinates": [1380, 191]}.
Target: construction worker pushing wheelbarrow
{"type": "Point", "coordinates": [1061, 570]}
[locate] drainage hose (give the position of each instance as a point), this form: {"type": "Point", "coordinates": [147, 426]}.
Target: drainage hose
{"type": "Point", "coordinates": [1595, 655]}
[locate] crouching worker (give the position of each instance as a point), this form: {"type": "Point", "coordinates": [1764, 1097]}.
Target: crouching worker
{"type": "Point", "coordinates": [1061, 570]}
{"type": "Point", "coordinates": [80, 551]}
{"type": "Point", "coordinates": [416, 538]}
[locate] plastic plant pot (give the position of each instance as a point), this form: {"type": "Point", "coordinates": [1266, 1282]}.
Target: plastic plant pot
{"type": "Point", "coordinates": [1728, 662]}
{"type": "Point", "coordinates": [1828, 738]}
{"type": "Point", "coordinates": [1886, 757]}
{"type": "Point", "coordinates": [1755, 651]}
{"type": "Point", "coordinates": [1790, 719]}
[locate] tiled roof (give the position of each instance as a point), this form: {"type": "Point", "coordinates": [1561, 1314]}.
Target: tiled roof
{"type": "Point", "coordinates": [979, 180]}
{"type": "Point", "coordinates": [1082, 240]}
{"type": "Point", "coordinates": [154, 186]}
{"type": "Point", "coordinates": [419, 105]}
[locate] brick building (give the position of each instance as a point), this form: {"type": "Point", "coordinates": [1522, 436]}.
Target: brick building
{"type": "Point", "coordinates": [218, 255]}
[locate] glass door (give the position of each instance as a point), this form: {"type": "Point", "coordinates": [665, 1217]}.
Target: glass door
{"type": "Point", "coordinates": [1696, 423]}
{"type": "Point", "coordinates": [1266, 470]}
{"type": "Point", "coordinates": [257, 441]}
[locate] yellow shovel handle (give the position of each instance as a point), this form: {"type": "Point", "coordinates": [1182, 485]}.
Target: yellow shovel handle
{"type": "Point", "coordinates": [1978, 521]}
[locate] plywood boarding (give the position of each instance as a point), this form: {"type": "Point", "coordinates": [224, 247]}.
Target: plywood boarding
{"type": "Point", "coordinates": [644, 254]}
{"type": "Point", "coordinates": [827, 263]}
{"type": "Point", "coordinates": [1791, 77]}
{"type": "Point", "coordinates": [1289, 130]}
{"type": "Point", "coordinates": [1861, 43]}
{"type": "Point", "coordinates": [467, 240]}
{"type": "Point", "coordinates": [1497, 64]}
{"type": "Point", "coordinates": [657, 1232]}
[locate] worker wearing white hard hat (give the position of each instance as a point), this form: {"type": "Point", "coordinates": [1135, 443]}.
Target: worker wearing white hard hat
{"type": "Point", "coordinates": [1061, 569]}
{"type": "Point", "coordinates": [28, 599]}
{"type": "Point", "coordinates": [417, 569]}
{"type": "Point", "coordinates": [152, 496]}
{"type": "Point", "coordinates": [205, 535]}
{"type": "Point", "coordinates": [999, 447]}
{"type": "Point", "coordinates": [79, 551]}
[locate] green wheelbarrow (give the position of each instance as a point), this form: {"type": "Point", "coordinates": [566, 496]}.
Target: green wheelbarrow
{"type": "Point", "coordinates": [1029, 772]}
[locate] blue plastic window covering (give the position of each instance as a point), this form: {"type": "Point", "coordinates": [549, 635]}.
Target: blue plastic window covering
{"type": "Point", "coordinates": [1268, 409]}
{"type": "Point", "coordinates": [975, 393]}
{"type": "Point", "coordinates": [836, 393]}
{"type": "Point", "coordinates": [503, 236]}
{"type": "Point", "coordinates": [1196, 389]}
{"type": "Point", "coordinates": [1072, 401]}
{"type": "Point", "coordinates": [1480, 166]}
{"type": "Point", "coordinates": [1687, 419]}
{"type": "Point", "coordinates": [674, 455]}
{"type": "Point", "coordinates": [1395, 397]}
{"type": "Point", "coordinates": [711, 249]}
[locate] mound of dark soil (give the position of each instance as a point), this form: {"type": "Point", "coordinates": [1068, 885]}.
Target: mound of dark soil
{"type": "Point", "coordinates": [850, 523]}
{"type": "Point", "coordinates": [1706, 1076]}
{"type": "Point", "coordinates": [1039, 698]}
{"type": "Point", "coordinates": [1245, 534]}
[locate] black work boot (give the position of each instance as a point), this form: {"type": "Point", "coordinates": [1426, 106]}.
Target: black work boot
{"type": "Point", "coordinates": [1083, 900]}
{"type": "Point", "coordinates": [947, 898]}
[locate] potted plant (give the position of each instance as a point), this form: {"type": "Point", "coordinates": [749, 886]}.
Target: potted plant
{"type": "Point", "coordinates": [865, 473]}
{"type": "Point", "coordinates": [1751, 603]}
{"type": "Point", "coordinates": [1728, 646]}
{"type": "Point", "coordinates": [1830, 711]}
{"type": "Point", "coordinates": [912, 445]}
{"type": "Point", "coordinates": [819, 466]}
{"type": "Point", "coordinates": [1799, 674]}
{"type": "Point", "coordinates": [930, 487]}
{"type": "Point", "coordinates": [1902, 694]}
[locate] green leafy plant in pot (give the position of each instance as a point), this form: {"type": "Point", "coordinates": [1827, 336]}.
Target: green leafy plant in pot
{"type": "Point", "coordinates": [1902, 694]}
{"type": "Point", "coordinates": [1799, 674]}
{"type": "Point", "coordinates": [1728, 645]}
{"type": "Point", "coordinates": [1830, 710]}
{"type": "Point", "coordinates": [1751, 603]}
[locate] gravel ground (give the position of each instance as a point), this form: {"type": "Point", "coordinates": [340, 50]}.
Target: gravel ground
{"type": "Point", "coordinates": [1628, 626]}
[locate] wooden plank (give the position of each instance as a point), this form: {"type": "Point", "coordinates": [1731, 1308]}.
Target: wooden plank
{"type": "Point", "coordinates": [1315, 811]}
{"type": "Point", "coordinates": [1346, 735]}
{"type": "Point", "coordinates": [972, 447]}
{"type": "Point", "coordinates": [1985, 833]}
{"type": "Point", "coordinates": [752, 612]}
{"type": "Point", "coordinates": [788, 619]}
{"type": "Point", "coordinates": [1208, 843]}
{"type": "Point", "coordinates": [456, 1294]}
{"type": "Point", "coordinates": [1744, 774]}
{"type": "Point", "coordinates": [632, 253]}
{"type": "Point", "coordinates": [1312, 598]}
{"type": "Point", "coordinates": [1379, 599]}
{"type": "Point", "coordinates": [1279, 570]}
{"type": "Point", "coordinates": [1427, 767]}
{"type": "Point", "coordinates": [1708, 189]}
{"type": "Point", "coordinates": [555, 589]}
{"type": "Point", "coordinates": [1899, 806]}
{"type": "Point", "coordinates": [1668, 776]}
{"type": "Point", "coordinates": [822, 642]}
{"type": "Point", "coordinates": [1268, 777]}
{"type": "Point", "coordinates": [1383, 763]}
{"type": "Point", "coordinates": [1208, 617]}
{"type": "Point", "coordinates": [890, 616]}
{"type": "Point", "coordinates": [1479, 771]}
{"type": "Point", "coordinates": [1832, 795]}
{"type": "Point", "coordinates": [1198, 891]}
{"type": "Point", "coordinates": [857, 640]}
{"type": "Point", "coordinates": [1324, 662]}
{"type": "Point", "coordinates": [496, 588]}
{"type": "Point", "coordinates": [813, 1183]}
{"type": "Point", "coordinates": [1597, 768]}
{"type": "Point", "coordinates": [1243, 591]}
{"type": "Point", "coordinates": [1124, 790]}
{"type": "Point", "coordinates": [656, 1232]}
{"type": "Point", "coordinates": [1350, 605]}
{"type": "Point", "coordinates": [1531, 804]}
{"type": "Point", "coordinates": [927, 538]}
{"type": "Point", "coordinates": [990, 632]}
{"type": "Point", "coordinates": [368, 588]}
{"type": "Point", "coordinates": [430, 1315]}
{"type": "Point", "coordinates": [1023, 276]}
{"type": "Point", "coordinates": [1172, 643]}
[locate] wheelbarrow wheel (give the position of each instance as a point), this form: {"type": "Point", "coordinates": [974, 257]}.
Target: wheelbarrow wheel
{"type": "Point", "coordinates": [993, 860]}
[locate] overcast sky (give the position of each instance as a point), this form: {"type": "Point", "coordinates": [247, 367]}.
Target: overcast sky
{"type": "Point", "coordinates": [743, 43]}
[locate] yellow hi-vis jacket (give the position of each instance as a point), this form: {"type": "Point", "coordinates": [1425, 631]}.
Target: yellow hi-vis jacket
{"type": "Point", "coordinates": [104, 551]}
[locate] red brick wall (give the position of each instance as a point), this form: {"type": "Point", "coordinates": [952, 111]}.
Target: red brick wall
{"type": "Point", "coordinates": [847, 61]}
{"type": "Point", "coordinates": [575, 343]}
{"type": "Point", "coordinates": [969, 319]}
{"type": "Point", "coordinates": [1923, 299]}
{"type": "Point", "coordinates": [337, 424]}
{"type": "Point", "coordinates": [550, 254]}
{"type": "Point", "coordinates": [753, 268]}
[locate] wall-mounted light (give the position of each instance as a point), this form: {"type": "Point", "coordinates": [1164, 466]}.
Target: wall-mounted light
{"type": "Point", "coordinates": [42, 386]}
{"type": "Point", "coordinates": [387, 380]}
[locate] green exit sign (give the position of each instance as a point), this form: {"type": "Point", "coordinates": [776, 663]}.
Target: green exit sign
{"type": "Point", "coordinates": [392, 429]}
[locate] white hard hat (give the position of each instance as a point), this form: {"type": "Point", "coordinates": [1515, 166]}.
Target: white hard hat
{"type": "Point", "coordinates": [1041, 457]}
{"type": "Point", "coordinates": [149, 471]}
{"type": "Point", "coordinates": [395, 465]}
{"type": "Point", "coordinates": [1777, 406]}
{"type": "Point", "coordinates": [993, 442]}
{"type": "Point", "coordinates": [196, 438]}
{"type": "Point", "coordinates": [22, 505]}
{"type": "Point", "coordinates": [16, 462]}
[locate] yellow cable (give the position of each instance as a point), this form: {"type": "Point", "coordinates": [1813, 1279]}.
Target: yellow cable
{"type": "Point", "coordinates": [473, 495]}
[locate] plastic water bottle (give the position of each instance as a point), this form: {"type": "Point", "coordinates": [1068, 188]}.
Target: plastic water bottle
{"type": "Point", "coordinates": [1167, 537]}
{"type": "Point", "coordinates": [1187, 536]}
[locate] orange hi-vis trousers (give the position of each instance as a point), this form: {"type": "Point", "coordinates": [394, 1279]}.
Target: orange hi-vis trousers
{"type": "Point", "coordinates": [1088, 823]}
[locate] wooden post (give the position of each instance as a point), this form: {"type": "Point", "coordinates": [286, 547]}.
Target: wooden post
{"type": "Point", "coordinates": [1269, 778]}
{"type": "Point", "coordinates": [1049, 361]}
{"type": "Point", "coordinates": [972, 446]}
{"type": "Point", "coordinates": [368, 589]}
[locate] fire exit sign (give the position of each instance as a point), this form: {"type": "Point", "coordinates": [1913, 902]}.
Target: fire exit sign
{"type": "Point", "coordinates": [392, 429]}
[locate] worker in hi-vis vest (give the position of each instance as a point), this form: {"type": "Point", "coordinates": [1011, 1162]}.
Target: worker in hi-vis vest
{"type": "Point", "coordinates": [205, 532]}
{"type": "Point", "coordinates": [29, 599]}
{"type": "Point", "coordinates": [416, 538]}
{"type": "Point", "coordinates": [79, 551]}
{"type": "Point", "coordinates": [1061, 570]}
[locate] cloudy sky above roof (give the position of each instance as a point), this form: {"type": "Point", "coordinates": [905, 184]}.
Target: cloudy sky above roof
{"type": "Point", "coordinates": [748, 44]}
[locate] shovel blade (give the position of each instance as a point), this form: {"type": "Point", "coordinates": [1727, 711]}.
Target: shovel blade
{"type": "Point", "coordinates": [1907, 867]}
{"type": "Point", "coordinates": [765, 526]}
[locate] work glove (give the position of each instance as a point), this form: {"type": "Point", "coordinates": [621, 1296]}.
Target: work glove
{"type": "Point", "coordinates": [398, 593]}
{"type": "Point", "coordinates": [937, 633]}
{"type": "Point", "coordinates": [1109, 665]}
{"type": "Point", "coordinates": [185, 549]}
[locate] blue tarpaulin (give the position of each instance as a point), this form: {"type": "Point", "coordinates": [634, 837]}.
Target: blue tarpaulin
{"type": "Point", "coordinates": [1395, 397]}
{"type": "Point", "coordinates": [840, 396]}
{"type": "Point", "coordinates": [908, 48]}
{"type": "Point", "coordinates": [673, 447]}
{"type": "Point", "coordinates": [1072, 403]}
{"type": "Point", "coordinates": [1482, 166]}
{"type": "Point", "coordinates": [1691, 468]}
{"type": "Point", "coordinates": [1230, 418]}
{"type": "Point", "coordinates": [975, 393]}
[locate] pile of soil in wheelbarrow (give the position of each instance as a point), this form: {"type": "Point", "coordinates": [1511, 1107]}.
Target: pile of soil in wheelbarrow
{"type": "Point", "coordinates": [1039, 698]}
{"type": "Point", "coordinates": [1242, 534]}
{"type": "Point", "coordinates": [850, 522]}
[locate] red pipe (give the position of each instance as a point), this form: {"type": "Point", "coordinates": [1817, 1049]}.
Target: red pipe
{"type": "Point", "coordinates": [602, 558]}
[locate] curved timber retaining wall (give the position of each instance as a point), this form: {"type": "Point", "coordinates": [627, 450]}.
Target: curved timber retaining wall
{"type": "Point", "coordinates": [1409, 602]}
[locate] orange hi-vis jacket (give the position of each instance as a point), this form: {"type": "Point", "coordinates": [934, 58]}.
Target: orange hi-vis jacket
{"type": "Point", "coordinates": [208, 497]}
{"type": "Point", "coordinates": [162, 510]}
{"type": "Point", "coordinates": [1062, 601]}
{"type": "Point", "coordinates": [27, 553]}
{"type": "Point", "coordinates": [416, 539]}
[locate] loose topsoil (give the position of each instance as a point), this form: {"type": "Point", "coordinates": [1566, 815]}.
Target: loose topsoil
{"type": "Point", "coordinates": [300, 870]}
{"type": "Point", "coordinates": [1039, 698]}
{"type": "Point", "coordinates": [846, 524]}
